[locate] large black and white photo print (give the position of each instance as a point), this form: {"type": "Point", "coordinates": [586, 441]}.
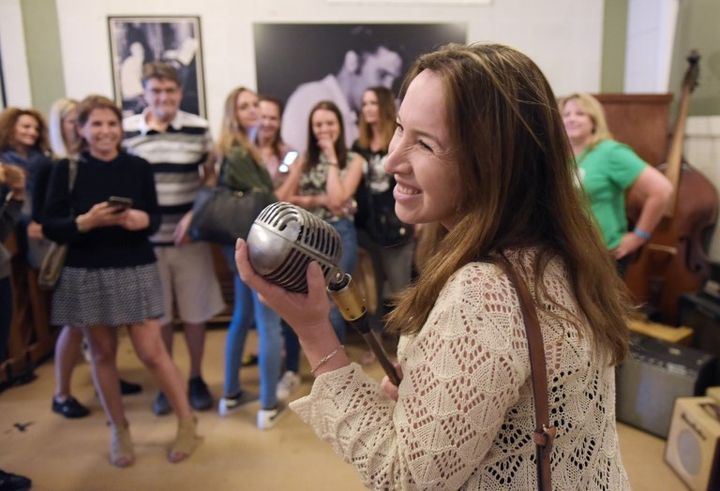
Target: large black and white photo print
{"type": "Point", "coordinates": [135, 41]}
{"type": "Point", "coordinates": [303, 64]}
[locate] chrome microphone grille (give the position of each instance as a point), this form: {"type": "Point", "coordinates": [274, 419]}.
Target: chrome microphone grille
{"type": "Point", "coordinates": [285, 238]}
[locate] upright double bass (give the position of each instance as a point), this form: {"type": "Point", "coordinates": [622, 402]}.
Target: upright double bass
{"type": "Point", "coordinates": [674, 261]}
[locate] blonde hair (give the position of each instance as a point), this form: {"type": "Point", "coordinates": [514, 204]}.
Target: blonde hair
{"type": "Point", "coordinates": [592, 107]}
{"type": "Point", "coordinates": [518, 190]}
{"type": "Point", "coordinates": [58, 112]}
{"type": "Point", "coordinates": [231, 132]}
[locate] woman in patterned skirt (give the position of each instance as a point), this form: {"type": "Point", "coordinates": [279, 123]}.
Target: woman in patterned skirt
{"type": "Point", "coordinates": [110, 278]}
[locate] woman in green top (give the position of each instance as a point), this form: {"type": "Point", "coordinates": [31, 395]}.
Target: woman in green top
{"type": "Point", "coordinates": [242, 170]}
{"type": "Point", "coordinates": [607, 169]}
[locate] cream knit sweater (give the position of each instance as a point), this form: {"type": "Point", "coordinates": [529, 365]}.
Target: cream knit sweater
{"type": "Point", "coordinates": [464, 415]}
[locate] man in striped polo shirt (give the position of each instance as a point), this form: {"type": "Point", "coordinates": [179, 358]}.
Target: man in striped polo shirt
{"type": "Point", "coordinates": [179, 147]}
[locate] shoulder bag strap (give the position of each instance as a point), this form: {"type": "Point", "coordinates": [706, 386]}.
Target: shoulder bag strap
{"type": "Point", "coordinates": [544, 434]}
{"type": "Point", "coordinates": [72, 176]}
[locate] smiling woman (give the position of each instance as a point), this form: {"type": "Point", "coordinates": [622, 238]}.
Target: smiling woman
{"type": "Point", "coordinates": [109, 254]}
{"type": "Point", "coordinates": [481, 154]}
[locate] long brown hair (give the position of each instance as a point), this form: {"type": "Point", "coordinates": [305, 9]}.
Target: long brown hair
{"type": "Point", "coordinates": [518, 189]}
{"type": "Point", "coordinates": [387, 115]}
{"type": "Point", "coordinates": [85, 108]}
{"type": "Point", "coordinates": [231, 132]}
{"type": "Point", "coordinates": [313, 149]}
{"type": "Point", "coordinates": [9, 118]}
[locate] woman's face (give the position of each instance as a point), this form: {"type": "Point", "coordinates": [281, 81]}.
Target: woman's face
{"type": "Point", "coordinates": [269, 119]}
{"type": "Point", "coordinates": [102, 132]}
{"type": "Point", "coordinates": [427, 177]}
{"type": "Point", "coordinates": [370, 109]}
{"type": "Point", "coordinates": [578, 124]}
{"type": "Point", "coordinates": [325, 125]}
{"type": "Point", "coordinates": [246, 109]}
{"type": "Point", "coordinates": [69, 130]}
{"type": "Point", "coordinates": [27, 132]}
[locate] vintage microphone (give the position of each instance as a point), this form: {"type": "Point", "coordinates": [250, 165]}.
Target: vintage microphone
{"type": "Point", "coordinates": [282, 242]}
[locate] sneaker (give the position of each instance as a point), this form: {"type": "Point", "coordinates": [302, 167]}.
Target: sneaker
{"type": "Point", "coordinates": [129, 388]}
{"type": "Point", "coordinates": [287, 385]}
{"type": "Point", "coordinates": [200, 397]}
{"type": "Point", "coordinates": [161, 405]}
{"type": "Point", "coordinates": [267, 418]}
{"type": "Point", "coordinates": [14, 482]}
{"type": "Point", "coordinates": [231, 404]}
{"type": "Point", "coordinates": [70, 408]}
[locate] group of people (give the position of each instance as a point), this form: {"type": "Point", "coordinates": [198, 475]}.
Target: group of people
{"type": "Point", "coordinates": [120, 192]}
{"type": "Point", "coordinates": [480, 153]}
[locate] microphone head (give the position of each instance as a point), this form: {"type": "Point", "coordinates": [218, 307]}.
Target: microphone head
{"type": "Point", "coordinates": [284, 239]}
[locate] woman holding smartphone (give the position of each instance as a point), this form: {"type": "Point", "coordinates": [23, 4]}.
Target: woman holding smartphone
{"type": "Point", "coordinates": [110, 278]}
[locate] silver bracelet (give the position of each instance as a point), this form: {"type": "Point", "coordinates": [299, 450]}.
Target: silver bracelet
{"type": "Point", "coordinates": [327, 358]}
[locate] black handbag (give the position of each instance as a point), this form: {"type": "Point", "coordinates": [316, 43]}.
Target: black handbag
{"type": "Point", "coordinates": [222, 215]}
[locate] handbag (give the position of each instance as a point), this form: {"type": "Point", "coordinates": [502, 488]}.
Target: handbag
{"type": "Point", "coordinates": [222, 215]}
{"type": "Point", "coordinates": [544, 433]}
{"type": "Point", "coordinates": [54, 260]}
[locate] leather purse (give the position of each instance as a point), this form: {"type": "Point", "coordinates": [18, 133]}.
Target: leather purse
{"type": "Point", "coordinates": [222, 215]}
{"type": "Point", "coordinates": [544, 433]}
{"type": "Point", "coordinates": [54, 260]}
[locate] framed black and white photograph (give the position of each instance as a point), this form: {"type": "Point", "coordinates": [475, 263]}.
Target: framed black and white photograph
{"type": "Point", "coordinates": [135, 41]}
{"type": "Point", "coordinates": [303, 64]}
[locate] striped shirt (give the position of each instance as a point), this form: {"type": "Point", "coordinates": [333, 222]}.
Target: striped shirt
{"type": "Point", "coordinates": [176, 156]}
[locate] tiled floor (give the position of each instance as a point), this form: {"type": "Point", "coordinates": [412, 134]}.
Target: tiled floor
{"type": "Point", "coordinates": [72, 455]}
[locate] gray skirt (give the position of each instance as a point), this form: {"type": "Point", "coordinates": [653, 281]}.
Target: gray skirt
{"type": "Point", "coordinates": [107, 296]}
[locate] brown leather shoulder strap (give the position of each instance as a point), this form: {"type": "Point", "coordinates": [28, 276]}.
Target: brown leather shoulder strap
{"type": "Point", "coordinates": [544, 433]}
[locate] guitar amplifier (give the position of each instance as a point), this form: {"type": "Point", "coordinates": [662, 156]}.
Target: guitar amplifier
{"type": "Point", "coordinates": [653, 376]}
{"type": "Point", "coordinates": [693, 445]}
{"type": "Point", "coordinates": [701, 311]}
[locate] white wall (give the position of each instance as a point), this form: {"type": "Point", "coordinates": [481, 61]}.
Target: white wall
{"type": "Point", "coordinates": [650, 36]}
{"type": "Point", "coordinates": [563, 36]}
{"type": "Point", "coordinates": [16, 78]}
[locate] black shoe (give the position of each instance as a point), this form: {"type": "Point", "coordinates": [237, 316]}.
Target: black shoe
{"type": "Point", "coordinates": [129, 388]}
{"type": "Point", "coordinates": [161, 406]}
{"type": "Point", "coordinates": [70, 408]}
{"type": "Point", "coordinates": [250, 360]}
{"type": "Point", "coordinates": [200, 397]}
{"type": "Point", "coordinates": [14, 482]}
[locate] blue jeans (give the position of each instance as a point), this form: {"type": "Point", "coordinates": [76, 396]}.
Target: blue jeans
{"type": "Point", "coordinates": [269, 333]}
{"type": "Point", "coordinates": [348, 235]}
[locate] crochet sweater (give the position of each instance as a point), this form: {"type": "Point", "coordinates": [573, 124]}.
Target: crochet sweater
{"type": "Point", "coordinates": [464, 415]}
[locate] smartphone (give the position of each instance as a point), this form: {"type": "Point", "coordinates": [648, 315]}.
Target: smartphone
{"type": "Point", "coordinates": [120, 203]}
{"type": "Point", "coordinates": [287, 161]}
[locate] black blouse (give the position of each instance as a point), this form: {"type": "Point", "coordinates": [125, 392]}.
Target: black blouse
{"type": "Point", "coordinates": [103, 247]}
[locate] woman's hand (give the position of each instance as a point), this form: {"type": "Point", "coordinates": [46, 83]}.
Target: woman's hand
{"type": "Point", "coordinates": [327, 147]}
{"type": "Point", "coordinates": [306, 313]}
{"type": "Point", "coordinates": [628, 244]}
{"type": "Point", "coordinates": [34, 231]}
{"type": "Point", "coordinates": [388, 387]}
{"type": "Point", "coordinates": [13, 177]}
{"type": "Point", "coordinates": [135, 220]}
{"type": "Point", "coordinates": [100, 215]}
